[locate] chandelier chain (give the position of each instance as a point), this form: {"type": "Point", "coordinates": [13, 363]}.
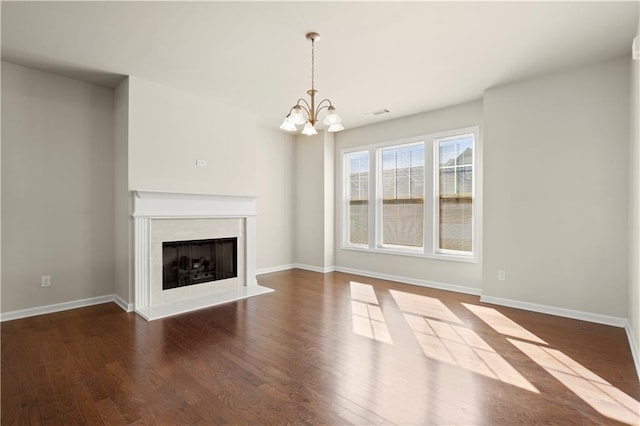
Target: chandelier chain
{"type": "Point", "coordinates": [312, 64]}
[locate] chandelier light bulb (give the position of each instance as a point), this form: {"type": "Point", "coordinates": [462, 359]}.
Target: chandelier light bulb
{"type": "Point", "coordinates": [288, 125]}
{"type": "Point", "coordinates": [309, 129]}
{"type": "Point", "coordinates": [332, 117]}
{"type": "Point", "coordinates": [296, 116]}
{"type": "Point", "coordinates": [335, 127]}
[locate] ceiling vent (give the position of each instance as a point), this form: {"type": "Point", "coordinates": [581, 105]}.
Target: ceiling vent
{"type": "Point", "coordinates": [378, 112]}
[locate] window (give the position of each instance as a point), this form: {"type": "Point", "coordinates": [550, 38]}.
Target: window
{"type": "Point", "coordinates": [421, 199]}
{"type": "Point", "coordinates": [358, 197]}
{"type": "Point", "coordinates": [455, 193]}
{"type": "Point", "coordinates": [402, 195]}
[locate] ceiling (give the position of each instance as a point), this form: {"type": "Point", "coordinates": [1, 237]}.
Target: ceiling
{"type": "Point", "coordinates": [408, 57]}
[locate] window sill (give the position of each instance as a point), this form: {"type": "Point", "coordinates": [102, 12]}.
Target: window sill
{"type": "Point", "coordinates": [447, 257]}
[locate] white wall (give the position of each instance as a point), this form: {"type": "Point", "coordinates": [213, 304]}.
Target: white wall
{"type": "Point", "coordinates": [57, 188]}
{"type": "Point", "coordinates": [634, 208]}
{"type": "Point", "coordinates": [440, 271]}
{"type": "Point", "coordinates": [275, 206]}
{"type": "Point", "coordinates": [170, 129]}
{"type": "Point", "coordinates": [555, 189]}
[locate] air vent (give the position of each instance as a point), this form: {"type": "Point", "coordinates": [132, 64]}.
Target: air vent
{"type": "Point", "coordinates": [378, 112]}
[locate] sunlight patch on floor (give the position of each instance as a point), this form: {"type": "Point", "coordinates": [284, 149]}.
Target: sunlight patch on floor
{"type": "Point", "coordinates": [594, 390]}
{"type": "Point", "coordinates": [428, 307]}
{"type": "Point", "coordinates": [443, 337]}
{"type": "Point", "coordinates": [363, 293]}
{"type": "Point", "coordinates": [502, 324]}
{"type": "Point", "coordinates": [460, 346]}
{"type": "Point", "coordinates": [366, 315]}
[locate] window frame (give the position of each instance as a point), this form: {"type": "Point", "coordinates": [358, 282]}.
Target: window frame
{"type": "Point", "coordinates": [431, 214]}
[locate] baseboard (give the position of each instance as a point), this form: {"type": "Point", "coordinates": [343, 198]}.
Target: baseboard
{"type": "Point", "coordinates": [311, 268]}
{"type": "Point", "coordinates": [57, 307]}
{"type": "Point", "coordinates": [274, 269]}
{"type": "Point", "coordinates": [127, 307]}
{"type": "Point", "coordinates": [544, 309]}
{"type": "Point", "coordinates": [560, 312]}
{"type": "Point", "coordinates": [634, 347]}
{"type": "Point", "coordinates": [413, 281]}
{"type": "Point", "coordinates": [314, 268]}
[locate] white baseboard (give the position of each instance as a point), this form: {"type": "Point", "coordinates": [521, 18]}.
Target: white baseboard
{"type": "Point", "coordinates": [127, 307]}
{"type": "Point", "coordinates": [560, 312]}
{"type": "Point", "coordinates": [634, 347]}
{"type": "Point", "coordinates": [414, 281]}
{"type": "Point", "coordinates": [274, 269]}
{"type": "Point", "coordinates": [58, 307]}
{"type": "Point", "coordinates": [315, 268]}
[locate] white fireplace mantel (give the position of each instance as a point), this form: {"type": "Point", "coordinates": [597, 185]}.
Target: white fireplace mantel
{"type": "Point", "coordinates": [151, 207]}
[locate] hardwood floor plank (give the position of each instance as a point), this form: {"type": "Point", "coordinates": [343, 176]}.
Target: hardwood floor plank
{"type": "Point", "coordinates": [86, 405]}
{"type": "Point", "coordinates": [12, 403]}
{"type": "Point", "coordinates": [307, 354]}
{"type": "Point", "coordinates": [109, 413]}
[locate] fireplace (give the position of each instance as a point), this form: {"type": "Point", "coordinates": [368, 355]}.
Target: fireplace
{"type": "Point", "coordinates": [192, 251]}
{"type": "Point", "coordinates": [194, 262]}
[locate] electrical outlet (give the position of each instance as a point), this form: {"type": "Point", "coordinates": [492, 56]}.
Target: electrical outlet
{"type": "Point", "coordinates": [45, 281]}
{"type": "Point", "coordinates": [201, 163]}
{"type": "Point", "coordinates": [502, 276]}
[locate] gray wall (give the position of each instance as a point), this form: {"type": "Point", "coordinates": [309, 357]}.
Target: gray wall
{"type": "Point", "coordinates": [309, 202]}
{"type": "Point", "coordinates": [555, 189]}
{"type": "Point", "coordinates": [57, 188]}
{"type": "Point", "coordinates": [170, 129]}
{"type": "Point", "coordinates": [275, 152]}
{"type": "Point", "coordinates": [122, 200]}
{"type": "Point", "coordinates": [634, 208]}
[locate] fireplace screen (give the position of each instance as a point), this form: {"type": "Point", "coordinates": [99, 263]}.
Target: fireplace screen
{"type": "Point", "coordinates": [198, 261]}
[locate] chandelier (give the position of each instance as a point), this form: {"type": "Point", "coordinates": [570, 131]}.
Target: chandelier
{"type": "Point", "coordinates": [306, 113]}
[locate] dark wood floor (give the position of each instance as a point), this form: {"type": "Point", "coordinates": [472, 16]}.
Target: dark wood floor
{"type": "Point", "coordinates": [321, 349]}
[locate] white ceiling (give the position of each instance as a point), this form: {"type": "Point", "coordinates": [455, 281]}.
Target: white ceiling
{"type": "Point", "coordinates": [408, 57]}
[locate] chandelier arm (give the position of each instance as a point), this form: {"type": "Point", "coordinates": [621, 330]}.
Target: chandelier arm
{"type": "Point", "coordinates": [322, 106]}
{"type": "Point", "coordinates": [304, 105]}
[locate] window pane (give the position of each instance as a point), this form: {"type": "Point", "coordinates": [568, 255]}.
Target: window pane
{"type": "Point", "coordinates": [456, 193]}
{"type": "Point", "coordinates": [403, 196]}
{"type": "Point", "coordinates": [358, 175]}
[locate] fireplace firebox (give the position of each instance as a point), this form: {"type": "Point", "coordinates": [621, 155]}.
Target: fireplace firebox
{"type": "Point", "coordinates": [192, 262]}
